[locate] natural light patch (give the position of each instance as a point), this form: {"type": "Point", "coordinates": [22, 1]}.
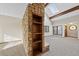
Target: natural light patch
{"type": "Point", "coordinates": [53, 8]}
{"type": "Point", "coordinates": [9, 37]}
{"type": "Point", "coordinates": [12, 44]}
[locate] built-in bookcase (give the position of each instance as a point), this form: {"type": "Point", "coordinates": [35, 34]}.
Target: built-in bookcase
{"type": "Point", "coordinates": [37, 34]}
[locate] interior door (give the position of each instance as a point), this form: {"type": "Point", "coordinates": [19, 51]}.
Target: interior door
{"type": "Point", "coordinates": [60, 30]}
{"type": "Point", "coordinates": [65, 31]}
{"type": "Point", "coordinates": [55, 30]}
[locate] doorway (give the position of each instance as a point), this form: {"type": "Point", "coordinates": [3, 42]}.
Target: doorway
{"type": "Point", "coordinates": [65, 31]}
{"type": "Point", "coordinates": [57, 30]}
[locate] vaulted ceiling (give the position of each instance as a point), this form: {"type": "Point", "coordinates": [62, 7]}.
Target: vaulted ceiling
{"type": "Point", "coordinates": [18, 9]}
{"type": "Point", "coordinates": [56, 8]}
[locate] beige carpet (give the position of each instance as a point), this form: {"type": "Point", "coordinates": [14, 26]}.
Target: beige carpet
{"type": "Point", "coordinates": [62, 46]}
{"type": "Point", "coordinates": [58, 47]}
{"type": "Point", "coordinates": [12, 49]}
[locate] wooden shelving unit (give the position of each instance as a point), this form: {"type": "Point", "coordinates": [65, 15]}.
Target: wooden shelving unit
{"type": "Point", "coordinates": [37, 34]}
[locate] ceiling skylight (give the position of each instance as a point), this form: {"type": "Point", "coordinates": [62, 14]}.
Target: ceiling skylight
{"type": "Point", "coordinates": [53, 8]}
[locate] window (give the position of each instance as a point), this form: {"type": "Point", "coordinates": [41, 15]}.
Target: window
{"type": "Point", "coordinates": [57, 30]}
{"type": "Point", "coordinates": [46, 28]}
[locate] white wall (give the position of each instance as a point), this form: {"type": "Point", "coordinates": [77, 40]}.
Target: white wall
{"type": "Point", "coordinates": [10, 29]}
{"type": "Point", "coordinates": [47, 22]}
{"type": "Point", "coordinates": [74, 20]}
{"type": "Point", "coordinates": [13, 9]}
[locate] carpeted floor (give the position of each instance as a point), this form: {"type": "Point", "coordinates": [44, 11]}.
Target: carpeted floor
{"type": "Point", "coordinates": [12, 49]}
{"type": "Point", "coordinates": [58, 47]}
{"type": "Point", "coordinates": [62, 46]}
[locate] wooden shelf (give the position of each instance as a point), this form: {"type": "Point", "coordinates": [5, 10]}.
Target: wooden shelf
{"type": "Point", "coordinates": [37, 22]}
{"type": "Point", "coordinates": [37, 47]}
{"type": "Point", "coordinates": [37, 42]}
{"type": "Point", "coordinates": [37, 33]}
